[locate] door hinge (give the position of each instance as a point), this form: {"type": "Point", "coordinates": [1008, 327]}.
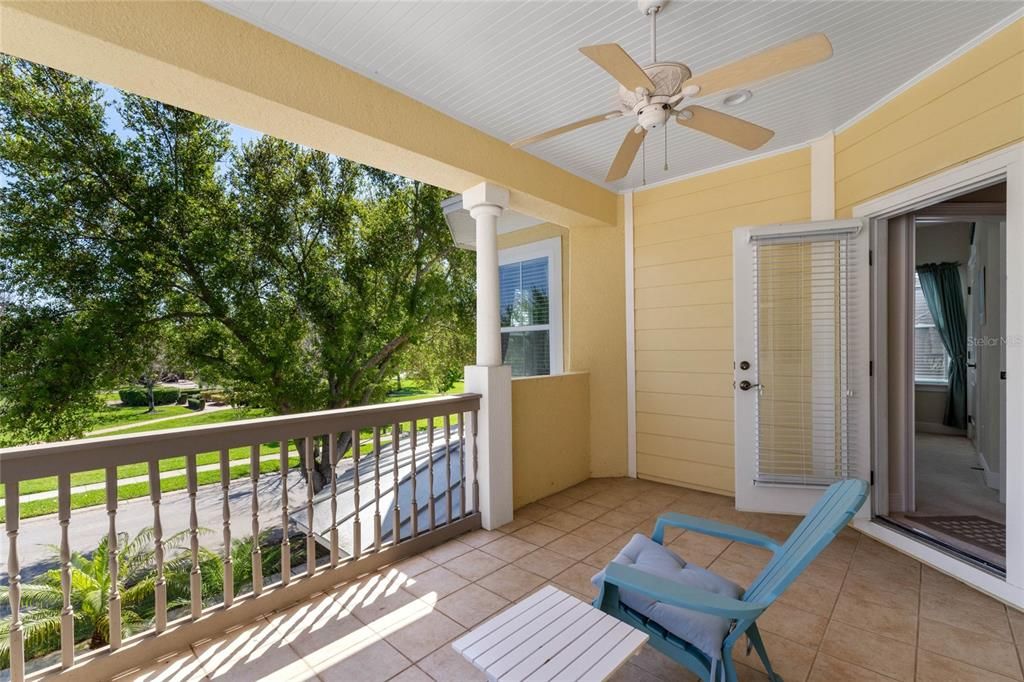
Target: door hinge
{"type": "Point", "coordinates": [871, 368]}
{"type": "Point", "coordinates": [968, 291]}
{"type": "Point", "coordinates": [871, 257]}
{"type": "Point", "coordinates": [1002, 375]}
{"type": "Point", "coordinates": [872, 478]}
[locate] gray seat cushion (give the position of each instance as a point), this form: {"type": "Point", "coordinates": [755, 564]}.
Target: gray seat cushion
{"type": "Point", "coordinates": [702, 630]}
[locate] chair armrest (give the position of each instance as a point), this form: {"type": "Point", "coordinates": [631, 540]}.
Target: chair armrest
{"type": "Point", "coordinates": [712, 528]}
{"type": "Point", "coordinates": [629, 578]}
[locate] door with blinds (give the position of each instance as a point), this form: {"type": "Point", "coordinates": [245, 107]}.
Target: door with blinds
{"type": "Point", "coordinates": [801, 365]}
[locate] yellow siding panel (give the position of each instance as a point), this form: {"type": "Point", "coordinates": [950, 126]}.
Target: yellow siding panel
{"type": "Point", "coordinates": [717, 431]}
{"type": "Point", "coordinates": [682, 273]}
{"type": "Point", "coordinates": [685, 383]}
{"type": "Point", "coordinates": [684, 250]}
{"type": "Point", "coordinates": [704, 452]}
{"type": "Point", "coordinates": [684, 360]}
{"type": "Point", "coordinates": [720, 198]}
{"type": "Point", "coordinates": [702, 407]}
{"type": "Point", "coordinates": [719, 291]}
{"type": "Point", "coordinates": [991, 130]}
{"type": "Point", "coordinates": [769, 210]}
{"type": "Point", "coordinates": [685, 317]}
{"type": "Point", "coordinates": [707, 338]}
{"type": "Point", "coordinates": [686, 472]}
{"type": "Point", "coordinates": [727, 177]}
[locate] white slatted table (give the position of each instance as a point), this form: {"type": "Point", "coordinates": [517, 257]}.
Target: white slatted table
{"type": "Point", "coordinates": [550, 635]}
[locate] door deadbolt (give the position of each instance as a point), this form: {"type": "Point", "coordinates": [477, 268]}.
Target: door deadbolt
{"type": "Point", "coordinates": [744, 365]}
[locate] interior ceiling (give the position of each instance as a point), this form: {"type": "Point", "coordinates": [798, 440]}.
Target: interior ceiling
{"type": "Point", "coordinates": [513, 69]}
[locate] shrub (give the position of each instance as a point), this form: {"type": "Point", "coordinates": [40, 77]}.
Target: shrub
{"type": "Point", "coordinates": [138, 397]}
{"type": "Point", "coordinates": [197, 404]}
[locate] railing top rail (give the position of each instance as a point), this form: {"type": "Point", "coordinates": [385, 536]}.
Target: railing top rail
{"type": "Point", "coordinates": [49, 459]}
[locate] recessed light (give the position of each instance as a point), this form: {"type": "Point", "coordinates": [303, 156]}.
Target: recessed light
{"type": "Point", "coordinates": [737, 98]}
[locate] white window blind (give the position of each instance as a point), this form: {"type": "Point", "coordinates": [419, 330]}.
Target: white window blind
{"type": "Point", "coordinates": [803, 293]}
{"type": "Point", "coordinates": [931, 364]}
{"type": "Point", "coordinates": [526, 316]}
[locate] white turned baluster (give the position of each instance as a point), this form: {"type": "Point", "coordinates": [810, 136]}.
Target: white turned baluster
{"type": "Point", "coordinates": [257, 553]}
{"type": "Point", "coordinates": [332, 453]}
{"type": "Point", "coordinates": [476, 465]}
{"type": "Point", "coordinates": [448, 465]}
{"type": "Point", "coordinates": [376, 488]}
{"type": "Point", "coordinates": [413, 432]}
{"type": "Point", "coordinates": [225, 487]}
{"type": "Point", "coordinates": [286, 546]}
{"type": "Point", "coordinates": [357, 542]}
{"type": "Point", "coordinates": [67, 613]}
{"type": "Point", "coordinates": [16, 636]}
{"type": "Point", "coordinates": [430, 469]}
{"type": "Point", "coordinates": [160, 589]}
{"type": "Point", "coordinates": [310, 540]}
{"type": "Point", "coordinates": [195, 577]}
{"type": "Point", "coordinates": [462, 465]}
{"type": "Point", "coordinates": [114, 605]}
{"type": "Point", "coordinates": [396, 521]}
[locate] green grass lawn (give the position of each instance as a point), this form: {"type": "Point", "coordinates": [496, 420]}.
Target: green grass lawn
{"type": "Point", "coordinates": [111, 415]}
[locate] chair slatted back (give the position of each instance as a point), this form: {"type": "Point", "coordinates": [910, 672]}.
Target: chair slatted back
{"type": "Point", "coordinates": [821, 525]}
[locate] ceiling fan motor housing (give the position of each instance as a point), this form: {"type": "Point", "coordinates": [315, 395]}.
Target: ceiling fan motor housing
{"type": "Point", "coordinates": [654, 109]}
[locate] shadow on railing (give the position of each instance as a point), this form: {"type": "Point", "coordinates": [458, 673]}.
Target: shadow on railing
{"type": "Point", "coordinates": [316, 511]}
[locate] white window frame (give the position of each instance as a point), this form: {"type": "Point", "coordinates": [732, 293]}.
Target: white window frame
{"type": "Point", "coordinates": [552, 250]}
{"type": "Point", "coordinates": [924, 382]}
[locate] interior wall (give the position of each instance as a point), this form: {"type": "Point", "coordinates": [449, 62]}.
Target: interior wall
{"type": "Point", "coordinates": [684, 321]}
{"type": "Point", "coordinates": [968, 108]}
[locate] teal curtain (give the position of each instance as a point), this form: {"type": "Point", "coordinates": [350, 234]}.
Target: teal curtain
{"type": "Point", "coordinates": [940, 283]}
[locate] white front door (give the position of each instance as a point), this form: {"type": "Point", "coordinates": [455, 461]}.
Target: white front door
{"type": "Point", "coordinates": [801, 354]}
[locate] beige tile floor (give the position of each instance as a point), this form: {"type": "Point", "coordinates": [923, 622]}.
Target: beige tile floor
{"type": "Point", "coordinates": [860, 612]}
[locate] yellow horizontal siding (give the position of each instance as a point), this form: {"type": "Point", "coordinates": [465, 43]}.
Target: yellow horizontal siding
{"type": "Point", "coordinates": [971, 107]}
{"type": "Point", "coordinates": [683, 296]}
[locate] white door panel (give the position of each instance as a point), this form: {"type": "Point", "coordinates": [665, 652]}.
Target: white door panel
{"type": "Point", "coordinates": [801, 361]}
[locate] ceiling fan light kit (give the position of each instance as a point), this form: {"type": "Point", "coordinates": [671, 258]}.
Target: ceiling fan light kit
{"type": "Point", "coordinates": [656, 93]}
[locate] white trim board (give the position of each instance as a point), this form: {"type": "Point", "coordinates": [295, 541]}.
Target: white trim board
{"type": "Point", "coordinates": [630, 337]}
{"type": "Point", "coordinates": [1008, 164]}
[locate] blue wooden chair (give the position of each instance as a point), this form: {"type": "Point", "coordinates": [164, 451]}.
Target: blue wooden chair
{"type": "Point", "coordinates": [735, 616]}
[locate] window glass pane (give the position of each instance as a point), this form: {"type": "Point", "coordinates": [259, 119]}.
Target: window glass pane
{"type": "Point", "coordinates": [529, 353]}
{"type": "Point", "coordinates": [929, 354]}
{"type": "Point", "coordinates": [524, 293]}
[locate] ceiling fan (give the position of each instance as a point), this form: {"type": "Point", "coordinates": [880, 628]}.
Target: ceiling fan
{"type": "Point", "coordinates": [656, 93]}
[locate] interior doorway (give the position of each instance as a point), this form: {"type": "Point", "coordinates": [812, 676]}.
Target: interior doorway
{"type": "Point", "coordinates": [947, 368]}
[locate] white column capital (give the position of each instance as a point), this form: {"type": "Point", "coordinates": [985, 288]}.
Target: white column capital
{"type": "Point", "coordinates": [486, 199]}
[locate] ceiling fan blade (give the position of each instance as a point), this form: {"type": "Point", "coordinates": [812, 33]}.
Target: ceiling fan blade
{"type": "Point", "coordinates": [627, 152]}
{"type": "Point", "coordinates": [566, 128]}
{"type": "Point", "coordinates": [772, 62]}
{"type": "Point", "coordinates": [725, 127]}
{"type": "Point", "coordinates": [616, 61]}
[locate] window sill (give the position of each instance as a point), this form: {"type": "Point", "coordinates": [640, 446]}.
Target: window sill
{"type": "Point", "coordinates": [937, 387]}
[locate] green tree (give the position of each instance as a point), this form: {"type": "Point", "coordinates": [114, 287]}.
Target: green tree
{"type": "Point", "coordinates": [298, 280]}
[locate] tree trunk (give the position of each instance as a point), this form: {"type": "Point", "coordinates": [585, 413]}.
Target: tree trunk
{"type": "Point", "coordinates": [322, 470]}
{"type": "Point", "coordinates": [149, 394]}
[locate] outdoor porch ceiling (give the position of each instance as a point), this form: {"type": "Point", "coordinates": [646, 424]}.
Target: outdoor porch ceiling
{"type": "Point", "coordinates": [513, 69]}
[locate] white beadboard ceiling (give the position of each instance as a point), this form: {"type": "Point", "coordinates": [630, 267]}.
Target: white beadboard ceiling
{"type": "Point", "coordinates": [512, 69]}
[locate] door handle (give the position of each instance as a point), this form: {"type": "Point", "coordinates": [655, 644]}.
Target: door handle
{"type": "Point", "coordinates": [746, 385]}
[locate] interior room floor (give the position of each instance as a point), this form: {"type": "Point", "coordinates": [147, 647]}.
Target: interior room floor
{"type": "Point", "coordinates": [948, 483]}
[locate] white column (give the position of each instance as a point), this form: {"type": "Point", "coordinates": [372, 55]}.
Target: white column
{"type": "Point", "coordinates": [489, 377]}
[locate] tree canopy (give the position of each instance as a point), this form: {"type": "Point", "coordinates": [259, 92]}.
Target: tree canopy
{"type": "Point", "coordinates": [297, 279]}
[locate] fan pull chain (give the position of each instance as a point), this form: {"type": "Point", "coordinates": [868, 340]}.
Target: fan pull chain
{"type": "Point", "coordinates": [666, 146]}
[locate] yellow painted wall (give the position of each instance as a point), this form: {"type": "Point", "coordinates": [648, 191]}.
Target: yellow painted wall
{"type": "Point", "coordinates": [683, 298]}
{"type": "Point", "coordinates": [550, 435]}
{"type": "Point", "coordinates": [970, 107]}
{"type": "Point", "coordinates": [593, 331]}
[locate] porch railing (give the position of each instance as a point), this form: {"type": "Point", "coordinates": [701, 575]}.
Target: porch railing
{"type": "Point", "coordinates": [404, 479]}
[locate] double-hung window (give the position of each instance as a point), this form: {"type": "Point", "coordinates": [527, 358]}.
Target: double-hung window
{"type": "Point", "coordinates": [931, 363]}
{"type": "Point", "coordinates": [530, 279]}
